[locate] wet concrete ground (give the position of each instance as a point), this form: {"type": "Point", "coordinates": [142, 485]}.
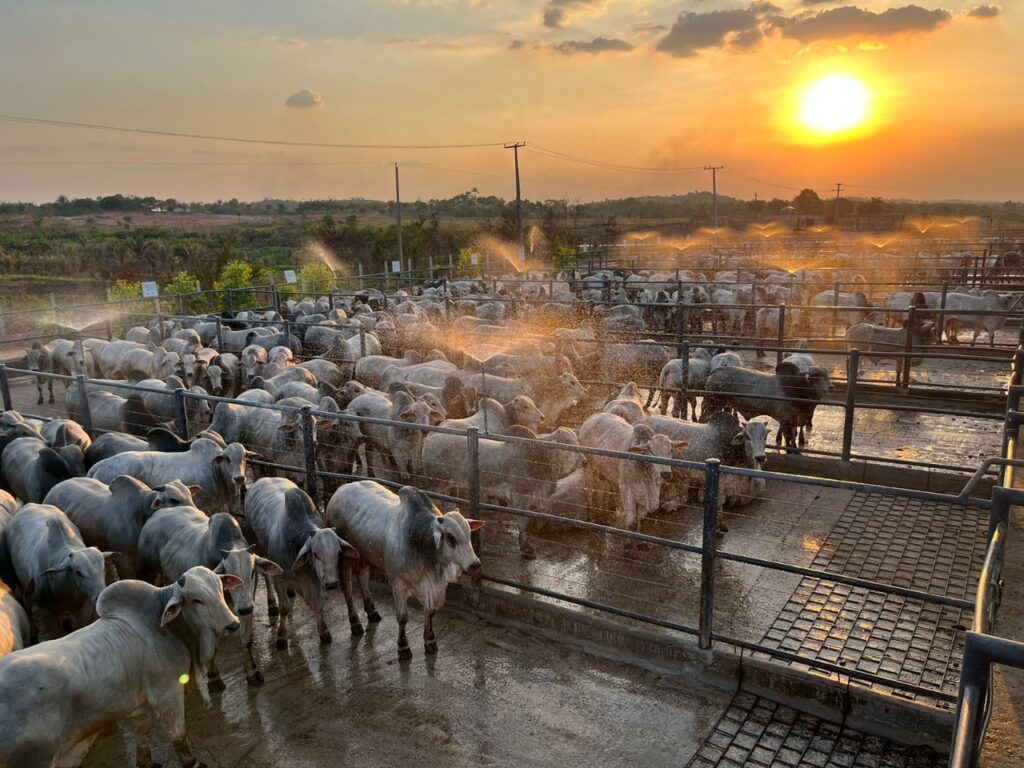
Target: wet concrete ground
{"type": "Point", "coordinates": [492, 696]}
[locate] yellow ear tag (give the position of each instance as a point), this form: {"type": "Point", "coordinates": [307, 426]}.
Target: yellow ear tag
{"type": "Point", "coordinates": [184, 678]}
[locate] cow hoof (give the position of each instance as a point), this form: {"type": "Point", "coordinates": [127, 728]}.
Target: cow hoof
{"type": "Point", "coordinates": [215, 684]}
{"type": "Point", "coordinates": [282, 644]}
{"type": "Point", "coordinates": [373, 618]}
{"type": "Point", "coordinates": [40, 401]}
{"type": "Point", "coordinates": [404, 654]}
{"type": "Point", "coordinates": [255, 679]}
{"type": "Point", "coordinates": [326, 638]}
{"type": "Point", "coordinates": [430, 648]}
{"type": "Point", "coordinates": [357, 629]}
{"type": "Point", "coordinates": [273, 610]}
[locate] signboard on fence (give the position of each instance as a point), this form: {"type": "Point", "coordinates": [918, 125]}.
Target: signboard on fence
{"type": "Point", "coordinates": [396, 266]}
{"type": "Point", "coordinates": [289, 276]}
{"type": "Point", "coordinates": [149, 290]}
{"type": "Point", "coordinates": [474, 259]}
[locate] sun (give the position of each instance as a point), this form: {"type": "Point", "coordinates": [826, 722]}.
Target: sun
{"type": "Point", "coordinates": [834, 104]}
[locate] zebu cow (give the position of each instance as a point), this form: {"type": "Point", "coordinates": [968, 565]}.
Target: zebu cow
{"type": "Point", "coordinates": [877, 343]}
{"type": "Point", "coordinates": [15, 632]}
{"type": "Point", "coordinates": [748, 392]}
{"type": "Point", "coordinates": [31, 468]}
{"type": "Point", "coordinates": [60, 576]}
{"type": "Point", "coordinates": [407, 538]}
{"type": "Point", "coordinates": [552, 395]}
{"type": "Point", "coordinates": [636, 484]}
{"type": "Point", "coordinates": [59, 356]}
{"type": "Point", "coordinates": [670, 382]}
{"type": "Point", "coordinates": [174, 540]}
{"type": "Point", "coordinates": [989, 301]}
{"type": "Point", "coordinates": [112, 412]}
{"type": "Point", "coordinates": [159, 657]}
{"type": "Point", "coordinates": [218, 472]}
{"type": "Point", "coordinates": [59, 433]}
{"type": "Point", "coordinates": [494, 418]}
{"type": "Point", "coordinates": [111, 517]}
{"type": "Point", "coordinates": [290, 531]}
{"type": "Point", "coordinates": [860, 307]}
{"type": "Point", "coordinates": [402, 444]}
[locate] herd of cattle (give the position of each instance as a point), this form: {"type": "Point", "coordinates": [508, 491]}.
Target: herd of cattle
{"type": "Point", "coordinates": [183, 526]}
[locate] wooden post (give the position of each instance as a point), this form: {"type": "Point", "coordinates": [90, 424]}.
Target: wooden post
{"type": "Point", "coordinates": [852, 368]}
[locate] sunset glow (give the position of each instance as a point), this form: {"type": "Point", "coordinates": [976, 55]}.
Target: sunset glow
{"type": "Point", "coordinates": [834, 103]}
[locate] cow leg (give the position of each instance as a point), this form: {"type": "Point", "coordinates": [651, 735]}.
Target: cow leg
{"type": "Point", "coordinates": [140, 724]}
{"type": "Point", "coordinates": [171, 714]}
{"type": "Point", "coordinates": [526, 549]}
{"type": "Point", "coordinates": [346, 588]}
{"type": "Point", "coordinates": [286, 608]}
{"type": "Point", "coordinates": [321, 626]}
{"type": "Point", "coordinates": [364, 588]}
{"type": "Point", "coordinates": [402, 611]}
{"type": "Point", "coordinates": [213, 681]}
{"type": "Point", "coordinates": [272, 609]}
{"type": "Point", "coordinates": [650, 397]}
{"type": "Point", "coordinates": [39, 389]}
{"type": "Point", "coordinates": [663, 402]}
{"type": "Point", "coordinates": [253, 676]}
{"type": "Point", "coordinates": [628, 506]}
{"type": "Point", "coordinates": [429, 641]}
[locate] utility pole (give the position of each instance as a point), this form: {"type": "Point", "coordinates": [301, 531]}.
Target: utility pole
{"type": "Point", "coordinates": [398, 214]}
{"type": "Point", "coordinates": [756, 218]}
{"type": "Point", "coordinates": [519, 202]}
{"type": "Point", "coordinates": [835, 215]}
{"type": "Point", "coordinates": [714, 191]}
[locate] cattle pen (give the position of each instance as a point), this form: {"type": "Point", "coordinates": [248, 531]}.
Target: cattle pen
{"type": "Point", "coordinates": [845, 609]}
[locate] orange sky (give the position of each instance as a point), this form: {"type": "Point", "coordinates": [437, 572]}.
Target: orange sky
{"type": "Point", "coordinates": [625, 82]}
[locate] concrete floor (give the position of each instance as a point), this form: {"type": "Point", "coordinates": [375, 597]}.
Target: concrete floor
{"type": "Point", "coordinates": [492, 696]}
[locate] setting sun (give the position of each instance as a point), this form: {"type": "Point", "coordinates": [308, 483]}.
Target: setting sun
{"type": "Point", "coordinates": [834, 103]}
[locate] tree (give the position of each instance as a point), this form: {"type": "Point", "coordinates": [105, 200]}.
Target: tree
{"type": "Point", "coordinates": [317, 275]}
{"type": "Point", "coordinates": [808, 202]}
{"type": "Point", "coordinates": [184, 284]}
{"type": "Point", "coordinates": [236, 276]}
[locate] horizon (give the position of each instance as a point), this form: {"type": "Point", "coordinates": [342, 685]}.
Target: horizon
{"type": "Point", "coordinates": [608, 95]}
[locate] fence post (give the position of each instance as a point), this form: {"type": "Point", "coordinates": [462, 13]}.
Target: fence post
{"type": "Point", "coordinates": [309, 448]}
{"type": "Point", "coordinates": [53, 307]}
{"type": "Point", "coordinates": [159, 320]}
{"type": "Point", "coordinates": [852, 366]}
{"type": "Point", "coordinates": [362, 341]}
{"type": "Point", "coordinates": [683, 395]}
{"type": "Point", "coordinates": [231, 301]}
{"type": "Point", "coordinates": [907, 348]}
{"type": "Point", "coordinates": [5, 387]}
{"type": "Point", "coordinates": [220, 335]}
{"type": "Point", "coordinates": [782, 332]}
{"type": "Point", "coordinates": [473, 478]}
{"type": "Point", "coordinates": [86, 416]}
{"type": "Point", "coordinates": [110, 329]}
{"type": "Point", "coordinates": [707, 560]}
{"type": "Point", "coordinates": [181, 413]}
{"type": "Point", "coordinates": [3, 322]}
{"type": "Point", "coordinates": [835, 310]}
{"type": "Point", "coordinates": [999, 509]}
{"type": "Point", "coordinates": [942, 310]}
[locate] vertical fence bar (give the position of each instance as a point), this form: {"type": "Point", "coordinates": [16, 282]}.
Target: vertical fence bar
{"type": "Point", "coordinates": [473, 478]}
{"type": "Point", "coordinates": [362, 341]}
{"type": "Point", "coordinates": [85, 415]}
{"type": "Point", "coordinates": [712, 470]}
{"type": "Point", "coordinates": [942, 310]}
{"type": "Point", "coordinates": [683, 395]}
{"type": "Point", "coordinates": [309, 448]}
{"type": "Point", "coordinates": [54, 309]}
{"type": "Point", "coordinates": [181, 413]}
{"type": "Point", "coordinates": [5, 387]}
{"type": "Point", "coordinates": [220, 335]}
{"type": "Point", "coordinates": [835, 311]}
{"type": "Point", "coordinates": [852, 367]}
{"type": "Point", "coordinates": [908, 346]}
{"type": "Point", "coordinates": [782, 332]}
{"type": "Point", "coordinates": [108, 324]}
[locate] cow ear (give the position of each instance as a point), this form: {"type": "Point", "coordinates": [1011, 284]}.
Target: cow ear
{"type": "Point", "coordinates": [268, 567]}
{"type": "Point", "coordinates": [230, 581]}
{"type": "Point", "coordinates": [219, 568]}
{"type": "Point", "coordinates": [109, 555]}
{"type": "Point", "coordinates": [437, 535]}
{"type": "Point", "coordinates": [172, 609]}
{"type": "Point", "coordinates": [475, 525]}
{"type": "Point", "coordinates": [679, 445]}
{"type": "Point", "coordinates": [302, 557]}
{"type": "Point", "coordinates": [253, 456]}
{"type": "Point", "coordinates": [218, 459]}
{"type": "Point", "coordinates": [156, 503]}
{"type": "Point", "coordinates": [194, 489]}
{"type": "Point", "coordinates": [739, 438]}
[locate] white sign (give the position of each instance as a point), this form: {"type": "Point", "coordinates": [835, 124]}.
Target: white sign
{"type": "Point", "coordinates": [289, 276]}
{"type": "Point", "coordinates": [396, 266]}
{"type": "Point", "coordinates": [149, 290]}
{"type": "Point", "coordinates": [474, 259]}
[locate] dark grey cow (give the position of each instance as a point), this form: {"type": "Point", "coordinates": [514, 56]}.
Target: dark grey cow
{"type": "Point", "coordinates": [174, 540]}
{"type": "Point", "coordinates": [31, 468]}
{"type": "Point", "coordinates": [752, 393]}
{"type": "Point", "coordinates": [112, 443]}
{"type": "Point", "coordinates": [155, 645]}
{"type": "Point", "coordinates": [111, 516]}
{"type": "Point", "coordinates": [290, 531]}
{"type": "Point", "coordinates": [406, 537]}
{"type": "Point", "coordinates": [59, 576]}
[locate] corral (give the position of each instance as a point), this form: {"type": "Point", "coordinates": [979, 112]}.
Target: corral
{"type": "Point", "coordinates": [838, 576]}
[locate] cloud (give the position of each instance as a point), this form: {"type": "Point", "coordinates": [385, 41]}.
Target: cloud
{"type": "Point", "coordinates": [739, 28]}
{"type": "Point", "coordinates": [304, 99]}
{"type": "Point", "coordinates": [559, 13]}
{"type": "Point", "coordinates": [288, 42]}
{"type": "Point", "coordinates": [597, 45]}
{"type": "Point", "coordinates": [985, 11]}
{"type": "Point", "coordinates": [842, 23]}
{"type": "Point", "coordinates": [818, 2]}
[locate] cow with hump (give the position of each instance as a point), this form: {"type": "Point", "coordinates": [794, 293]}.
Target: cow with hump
{"type": "Point", "coordinates": [405, 537]}
{"type": "Point", "coordinates": [56, 697]}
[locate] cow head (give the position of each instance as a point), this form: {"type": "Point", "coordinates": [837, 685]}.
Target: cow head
{"type": "Point", "coordinates": [522, 410]}
{"type": "Point", "coordinates": [243, 564]}
{"type": "Point", "coordinates": [231, 463]}
{"type": "Point", "coordinates": [172, 494]}
{"type": "Point", "coordinates": [197, 599]}
{"type": "Point", "coordinates": [37, 357]}
{"type": "Point", "coordinates": [454, 549]}
{"type": "Point", "coordinates": [79, 572]}
{"type": "Point", "coordinates": [752, 440]}
{"type": "Point", "coordinates": [322, 553]}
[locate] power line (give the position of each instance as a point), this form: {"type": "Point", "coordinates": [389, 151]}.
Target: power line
{"type": "Point", "coordinates": [610, 166]}
{"type": "Point", "coordinates": [235, 139]}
